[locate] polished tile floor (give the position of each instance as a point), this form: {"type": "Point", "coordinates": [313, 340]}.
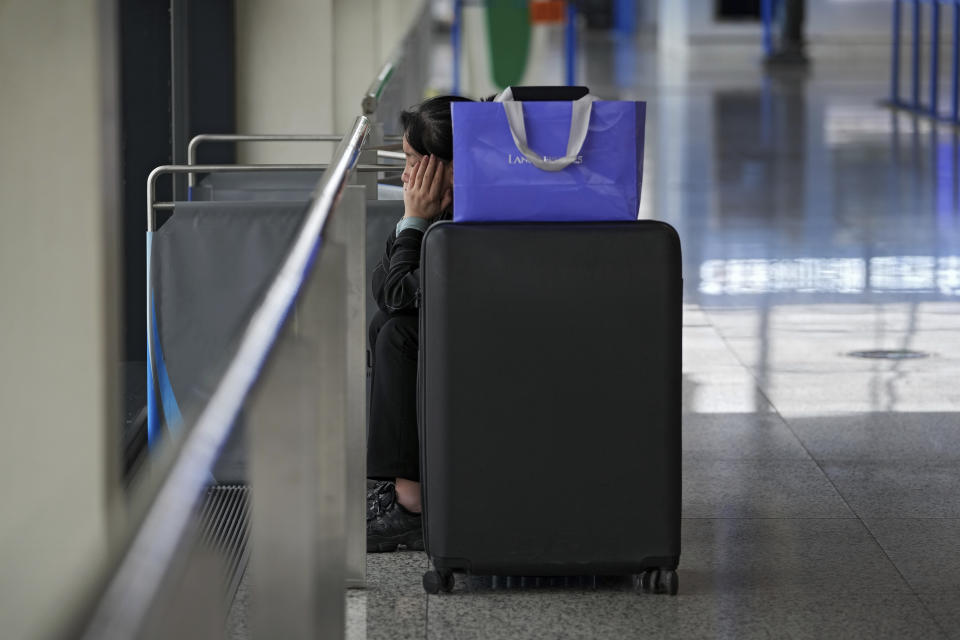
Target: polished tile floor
{"type": "Point", "coordinates": [821, 492]}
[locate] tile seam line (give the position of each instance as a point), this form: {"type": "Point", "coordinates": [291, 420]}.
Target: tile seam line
{"type": "Point", "coordinates": [956, 518]}
{"type": "Point", "coordinates": [705, 458]}
{"type": "Point", "coordinates": [920, 593]}
{"type": "Point", "coordinates": [853, 517]}
{"type": "Point", "coordinates": [776, 410]}
{"type": "Point", "coordinates": [936, 621]}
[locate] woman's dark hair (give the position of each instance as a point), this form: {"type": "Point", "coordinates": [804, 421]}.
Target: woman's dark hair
{"type": "Point", "coordinates": [428, 126]}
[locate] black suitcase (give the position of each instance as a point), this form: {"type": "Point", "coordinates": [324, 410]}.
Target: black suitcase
{"type": "Point", "coordinates": [549, 402]}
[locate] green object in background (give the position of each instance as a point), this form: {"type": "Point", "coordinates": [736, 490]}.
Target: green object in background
{"type": "Point", "coordinates": [508, 34]}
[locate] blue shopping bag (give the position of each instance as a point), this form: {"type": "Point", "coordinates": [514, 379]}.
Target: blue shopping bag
{"type": "Point", "coordinates": [568, 161]}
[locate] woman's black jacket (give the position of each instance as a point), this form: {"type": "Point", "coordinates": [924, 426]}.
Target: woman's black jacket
{"type": "Point", "coordinates": [396, 280]}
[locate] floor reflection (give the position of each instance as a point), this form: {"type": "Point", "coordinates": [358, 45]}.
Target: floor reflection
{"type": "Point", "coordinates": [819, 489]}
{"type": "Point", "coordinates": [880, 274]}
{"type": "Point", "coordinates": [797, 184]}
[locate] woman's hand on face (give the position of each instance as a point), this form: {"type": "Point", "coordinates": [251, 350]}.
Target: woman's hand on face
{"type": "Point", "coordinates": [426, 193]}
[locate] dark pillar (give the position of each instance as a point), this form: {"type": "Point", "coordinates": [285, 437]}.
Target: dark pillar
{"type": "Point", "coordinates": [789, 46]}
{"type": "Point", "coordinates": [146, 131]}
{"type": "Point", "coordinates": [177, 80]}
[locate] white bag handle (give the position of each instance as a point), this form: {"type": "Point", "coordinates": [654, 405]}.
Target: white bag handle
{"type": "Point", "coordinates": [579, 122]}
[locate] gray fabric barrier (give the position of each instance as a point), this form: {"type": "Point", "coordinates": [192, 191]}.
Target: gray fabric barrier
{"type": "Point", "coordinates": [382, 215]}
{"type": "Point", "coordinates": [211, 264]}
{"type": "Point", "coordinates": [272, 185]}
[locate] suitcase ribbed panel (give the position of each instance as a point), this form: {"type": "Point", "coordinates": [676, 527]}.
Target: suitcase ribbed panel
{"type": "Point", "coordinates": [225, 526]}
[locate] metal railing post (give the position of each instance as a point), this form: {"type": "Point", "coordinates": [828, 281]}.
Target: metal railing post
{"type": "Point", "coordinates": [296, 445]}
{"type": "Point", "coordinates": [348, 229]}
{"type": "Point", "coordinates": [571, 41]}
{"type": "Point", "coordinates": [766, 9]}
{"type": "Point", "coordinates": [369, 180]}
{"type": "Point", "coordinates": [955, 69]}
{"type": "Point", "coordinates": [934, 57]}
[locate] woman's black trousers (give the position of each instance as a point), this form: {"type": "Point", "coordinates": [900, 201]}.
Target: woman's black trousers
{"type": "Point", "coordinates": [393, 446]}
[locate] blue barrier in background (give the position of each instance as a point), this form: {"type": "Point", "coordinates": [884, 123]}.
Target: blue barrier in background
{"type": "Point", "coordinates": [625, 17]}
{"type": "Point", "coordinates": [914, 104]}
{"type": "Point", "coordinates": [571, 44]}
{"type": "Point", "coordinates": [767, 7]}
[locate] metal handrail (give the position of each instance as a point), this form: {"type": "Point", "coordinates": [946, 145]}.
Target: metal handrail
{"type": "Point", "coordinates": [135, 585]}
{"type": "Point", "coordinates": [391, 155]}
{"type": "Point", "coordinates": [152, 206]}
{"type": "Point", "coordinates": [140, 577]}
{"type": "Point", "coordinates": [371, 99]}
{"type": "Point", "coordinates": [199, 139]}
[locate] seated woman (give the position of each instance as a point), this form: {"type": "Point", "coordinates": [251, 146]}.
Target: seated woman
{"type": "Point", "coordinates": [393, 447]}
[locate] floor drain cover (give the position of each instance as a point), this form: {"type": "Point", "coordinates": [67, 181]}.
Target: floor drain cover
{"type": "Point", "coordinates": [889, 354]}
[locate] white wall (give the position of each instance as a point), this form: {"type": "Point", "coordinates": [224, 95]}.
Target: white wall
{"type": "Point", "coordinates": [303, 66]}
{"type": "Point", "coordinates": [59, 447]}
{"type": "Point", "coordinates": [366, 34]}
{"type": "Point", "coordinates": [394, 18]}
{"type": "Point", "coordinates": [284, 75]}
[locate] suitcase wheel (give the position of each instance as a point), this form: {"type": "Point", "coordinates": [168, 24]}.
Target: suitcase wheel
{"type": "Point", "coordinates": [437, 581]}
{"type": "Point", "coordinates": [658, 581]}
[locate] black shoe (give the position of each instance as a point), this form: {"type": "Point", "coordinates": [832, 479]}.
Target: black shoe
{"type": "Point", "coordinates": [377, 491]}
{"type": "Point", "coordinates": [390, 527]}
